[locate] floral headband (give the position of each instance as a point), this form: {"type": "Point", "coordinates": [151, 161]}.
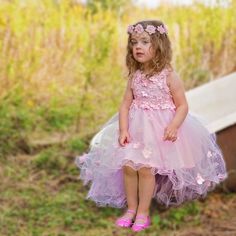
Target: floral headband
{"type": "Point", "coordinates": [151, 29]}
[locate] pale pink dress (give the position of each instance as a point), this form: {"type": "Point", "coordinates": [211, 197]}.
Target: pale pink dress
{"type": "Point", "coordinates": [184, 170]}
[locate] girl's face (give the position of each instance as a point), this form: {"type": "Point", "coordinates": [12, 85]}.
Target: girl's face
{"type": "Point", "coordinates": [142, 47]}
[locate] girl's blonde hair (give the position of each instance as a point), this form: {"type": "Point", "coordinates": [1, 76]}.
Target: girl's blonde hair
{"type": "Point", "coordinates": [162, 48]}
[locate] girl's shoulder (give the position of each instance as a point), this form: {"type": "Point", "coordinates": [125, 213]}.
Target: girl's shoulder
{"type": "Point", "coordinates": [172, 76]}
{"type": "Point", "coordinates": [135, 74]}
{"type": "Point", "coordinates": [131, 78]}
{"type": "Point", "coordinates": [169, 70]}
{"type": "Point", "coordinates": [174, 82]}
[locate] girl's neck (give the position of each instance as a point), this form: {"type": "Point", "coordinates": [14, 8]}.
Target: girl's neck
{"type": "Point", "coordinates": [144, 68]}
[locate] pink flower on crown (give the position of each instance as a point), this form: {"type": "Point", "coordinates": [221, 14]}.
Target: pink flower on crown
{"type": "Point", "coordinates": [166, 30]}
{"type": "Point", "coordinates": [150, 29]}
{"type": "Point", "coordinates": [130, 29]}
{"type": "Point", "coordinates": [161, 29]}
{"type": "Point", "coordinates": [138, 28]}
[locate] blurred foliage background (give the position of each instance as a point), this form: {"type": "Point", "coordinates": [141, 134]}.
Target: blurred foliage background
{"type": "Point", "coordinates": [63, 62]}
{"type": "Point", "coordinates": [62, 75]}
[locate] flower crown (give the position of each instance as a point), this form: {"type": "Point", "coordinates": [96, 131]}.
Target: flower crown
{"type": "Point", "coordinates": [151, 29]}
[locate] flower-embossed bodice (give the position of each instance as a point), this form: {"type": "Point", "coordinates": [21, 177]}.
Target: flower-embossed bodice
{"type": "Point", "coordinates": [153, 92]}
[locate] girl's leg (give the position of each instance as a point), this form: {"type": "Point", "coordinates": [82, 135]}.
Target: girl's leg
{"type": "Point", "coordinates": [131, 189]}
{"type": "Point", "coordinates": [146, 189]}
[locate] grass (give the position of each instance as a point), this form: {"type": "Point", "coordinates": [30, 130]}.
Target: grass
{"type": "Point", "coordinates": [42, 195]}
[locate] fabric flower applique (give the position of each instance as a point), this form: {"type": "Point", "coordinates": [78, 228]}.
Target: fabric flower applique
{"type": "Point", "coordinates": [209, 154]}
{"type": "Point", "coordinates": [153, 78]}
{"type": "Point", "coordinates": [160, 84]}
{"type": "Point", "coordinates": [165, 106]}
{"type": "Point", "coordinates": [82, 158]}
{"type": "Point", "coordinates": [144, 94]}
{"type": "Point", "coordinates": [144, 83]}
{"type": "Point", "coordinates": [220, 176]}
{"type": "Point", "coordinates": [136, 145]}
{"type": "Point", "coordinates": [146, 105]}
{"type": "Point", "coordinates": [158, 81]}
{"type": "Point", "coordinates": [146, 152]}
{"type": "Point", "coordinates": [157, 96]}
{"type": "Point", "coordinates": [199, 178]}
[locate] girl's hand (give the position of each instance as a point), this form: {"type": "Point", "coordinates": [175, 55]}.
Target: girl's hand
{"type": "Point", "coordinates": [124, 138]}
{"type": "Point", "coordinates": [170, 133]}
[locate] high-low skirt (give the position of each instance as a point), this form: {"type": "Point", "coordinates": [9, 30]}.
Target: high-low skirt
{"type": "Point", "coordinates": [184, 170]}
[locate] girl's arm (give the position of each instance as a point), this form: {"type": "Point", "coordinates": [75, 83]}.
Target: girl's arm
{"type": "Point", "coordinates": [177, 90]}
{"type": "Point", "coordinates": [124, 108]}
{"type": "Point", "coordinates": [123, 114]}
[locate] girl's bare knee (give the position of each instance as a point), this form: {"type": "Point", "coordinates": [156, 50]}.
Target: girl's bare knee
{"type": "Point", "coordinates": [145, 172]}
{"type": "Point", "coordinates": [129, 170]}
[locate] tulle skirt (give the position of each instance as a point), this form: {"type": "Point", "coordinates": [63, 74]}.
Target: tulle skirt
{"type": "Point", "coordinates": [184, 170]}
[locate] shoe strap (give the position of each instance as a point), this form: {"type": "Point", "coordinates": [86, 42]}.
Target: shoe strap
{"type": "Point", "coordinates": [125, 219]}
{"type": "Point", "coordinates": [131, 211]}
{"type": "Point", "coordinates": [141, 217]}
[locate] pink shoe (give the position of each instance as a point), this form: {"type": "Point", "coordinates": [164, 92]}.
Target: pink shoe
{"type": "Point", "coordinates": [125, 222]}
{"type": "Point", "coordinates": [136, 227]}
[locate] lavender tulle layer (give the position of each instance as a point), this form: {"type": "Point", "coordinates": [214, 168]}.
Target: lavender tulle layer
{"type": "Point", "coordinates": [184, 170]}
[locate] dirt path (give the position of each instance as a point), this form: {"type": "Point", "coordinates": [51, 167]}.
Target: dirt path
{"type": "Point", "coordinates": [218, 218]}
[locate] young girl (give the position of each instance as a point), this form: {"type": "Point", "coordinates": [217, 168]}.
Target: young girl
{"type": "Point", "coordinates": [152, 148]}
